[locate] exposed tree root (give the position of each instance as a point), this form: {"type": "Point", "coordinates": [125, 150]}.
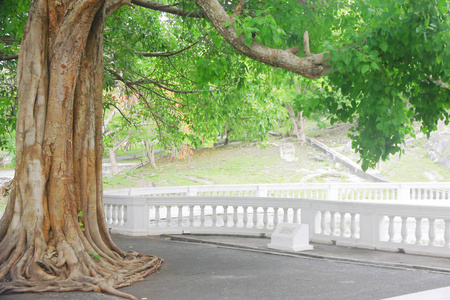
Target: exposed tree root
{"type": "Point", "coordinates": [133, 268]}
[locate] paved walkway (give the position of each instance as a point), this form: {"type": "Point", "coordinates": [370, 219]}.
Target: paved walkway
{"type": "Point", "coordinates": [227, 267]}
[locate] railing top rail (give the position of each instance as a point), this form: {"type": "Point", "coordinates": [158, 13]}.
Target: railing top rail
{"type": "Point", "coordinates": [280, 187]}
{"type": "Point", "coordinates": [381, 206]}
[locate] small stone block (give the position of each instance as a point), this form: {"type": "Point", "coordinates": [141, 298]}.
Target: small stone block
{"type": "Point", "coordinates": [291, 237]}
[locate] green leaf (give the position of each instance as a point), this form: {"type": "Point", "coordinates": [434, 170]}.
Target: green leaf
{"type": "Point", "coordinates": [364, 69]}
{"type": "Point", "coordinates": [383, 46]}
{"type": "Point", "coordinates": [347, 59]}
{"type": "Point", "coordinates": [374, 66]}
{"type": "Point", "coordinates": [227, 24]}
{"type": "Point", "coordinates": [248, 39]}
{"type": "Point", "coordinates": [96, 255]}
{"type": "Point", "coordinates": [80, 214]}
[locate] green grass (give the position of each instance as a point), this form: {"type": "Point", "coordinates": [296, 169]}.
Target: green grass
{"type": "Point", "coordinates": [242, 164]}
{"type": "Point", "coordinates": [411, 166]}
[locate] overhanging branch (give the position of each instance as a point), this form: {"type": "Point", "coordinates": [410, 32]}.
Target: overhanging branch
{"type": "Point", "coordinates": [311, 66]}
{"type": "Point", "coordinates": [9, 57]}
{"type": "Point", "coordinates": [168, 9]}
{"type": "Point", "coordinates": [167, 53]}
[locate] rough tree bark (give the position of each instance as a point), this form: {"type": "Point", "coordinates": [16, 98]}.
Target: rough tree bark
{"type": "Point", "coordinates": [58, 173]}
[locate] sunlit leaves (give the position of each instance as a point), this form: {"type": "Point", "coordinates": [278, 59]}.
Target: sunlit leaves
{"type": "Point", "coordinates": [392, 66]}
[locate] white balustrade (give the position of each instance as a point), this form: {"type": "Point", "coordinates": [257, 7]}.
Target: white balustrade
{"type": "Point", "coordinates": [376, 217]}
{"type": "Point", "coordinates": [324, 191]}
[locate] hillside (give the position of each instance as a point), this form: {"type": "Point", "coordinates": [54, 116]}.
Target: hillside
{"type": "Point", "coordinates": [280, 160]}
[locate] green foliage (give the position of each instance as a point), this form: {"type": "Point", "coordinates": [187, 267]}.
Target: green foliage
{"type": "Point", "coordinates": [8, 108]}
{"type": "Point", "coordinates": [390, 65]}
{"type": "Point", "coordinates": [389, 58]}
{"type": "Point", "coordinates": [80, 215]}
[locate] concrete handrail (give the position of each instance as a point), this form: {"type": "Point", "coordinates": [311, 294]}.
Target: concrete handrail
{"type": "Point", "coordinates": [421, 227]}
{"type": "Point", "coordinates": [326, 191]}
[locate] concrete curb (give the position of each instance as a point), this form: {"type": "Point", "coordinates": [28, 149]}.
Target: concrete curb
{"type": "Point", "coordinates": [309, 255]}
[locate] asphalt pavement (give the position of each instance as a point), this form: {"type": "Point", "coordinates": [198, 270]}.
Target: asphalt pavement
{"type": "Point", "coordinates": [231, 267]}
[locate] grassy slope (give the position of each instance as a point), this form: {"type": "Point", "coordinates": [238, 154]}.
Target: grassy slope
{"type": "Point", "coordinates": [261, 163]}
{"type": "Point", "coordinates": [235, 164]}
{"type": "Point", "coordinates": [411, 166]}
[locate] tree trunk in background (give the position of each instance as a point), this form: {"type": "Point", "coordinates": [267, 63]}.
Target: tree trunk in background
{"type": "Point", "coordinates": [113, 161]}
{"type": "Point", "coordinates": [298, 123]}
{"type": "Point", "coordinates": [150, 152]}
{"type": "Point", "coordinates": [113, 154]}
{"type": "Point", "coordinates": [58, 181]}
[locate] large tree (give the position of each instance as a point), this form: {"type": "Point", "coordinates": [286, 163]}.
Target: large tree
{"type": "Point", "coordinates": [53, 234]}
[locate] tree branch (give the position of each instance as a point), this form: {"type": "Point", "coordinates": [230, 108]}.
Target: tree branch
{"type": "Point", "coordinates": [9, 57]}
{"type": "Point", "coordinates": [167, 53]}
{"type": "Point", "coordinates": [238, 9]}
{"type": "Point", "coordinates": [113, 5]}
{"type": "Point", "coordinates": [312, 66]}
{"type": "Point", "coordinates": [8, 40]}
{"type": "Point", "coordinates": [168, 9]}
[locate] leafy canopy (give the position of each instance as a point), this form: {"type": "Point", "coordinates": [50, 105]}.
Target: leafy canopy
{"type": "Point", "coordinates": [390, 62]}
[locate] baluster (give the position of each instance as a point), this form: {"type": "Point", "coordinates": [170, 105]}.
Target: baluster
{"type": "Point", "coordinates": [116, 214]}
{"type": "Point", "coordinates": [119, 214]}
{"type": "Point", "coordinates": [286, 215]}
{"type": "Point", "coordinates": [169, 215]}
{"type": "Point", "coordinates": [332, 222]}
{"type": "Point", "coordinates": [180, 215]}
{"type": "Point", "coordinates": [113, 214]}
{"type": "Point", "coordinates": [255, 216]}
{"type": "Point", "coordinates": [225, 216]}
{"type": "Point", "coordinates": [391, 230]}
{"type": "Point", "coordinates": [157, 217]}
{"type": "Point", "coordinates": [358, 194]}
{"type": "Point", "coordinates": [202, 215]}
{"type": "Point", "coordinates": [447, 233]}
{"type": "Point", "coordinates": [214, 216]}
{"type": "Point", "coordinates": [418, 230]}
{"type": "Point", "coordinates": [322, 222]}
{"type": "Point", "coordinates": [265, 218]}
{"type": "Point", "coordinates": [191, 215]}
{"type": "Point", "coordinates": [275, 216]}
{"type": "Point", "coordinates": [353, 225]}
{"type": "Point", "coordinates": [295, 221]}
{"type": "Point", "coordinates": [342, 223]}
{"type": "Point", "coordinates": [431, 232]}
{"type": "Point", "coordinates": [404, 229]}
{"type": "Point", "coordinates": [245, 218]}
{"type": "Point", "coordinates": [110, 219]}
{"type": "Point", "coordinates": [125, 221]}
{"type": "Point", "coordinates": [235, 216]}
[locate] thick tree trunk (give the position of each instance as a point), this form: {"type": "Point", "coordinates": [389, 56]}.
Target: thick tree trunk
{"type": "Point", "coordinates": [58, 181]}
